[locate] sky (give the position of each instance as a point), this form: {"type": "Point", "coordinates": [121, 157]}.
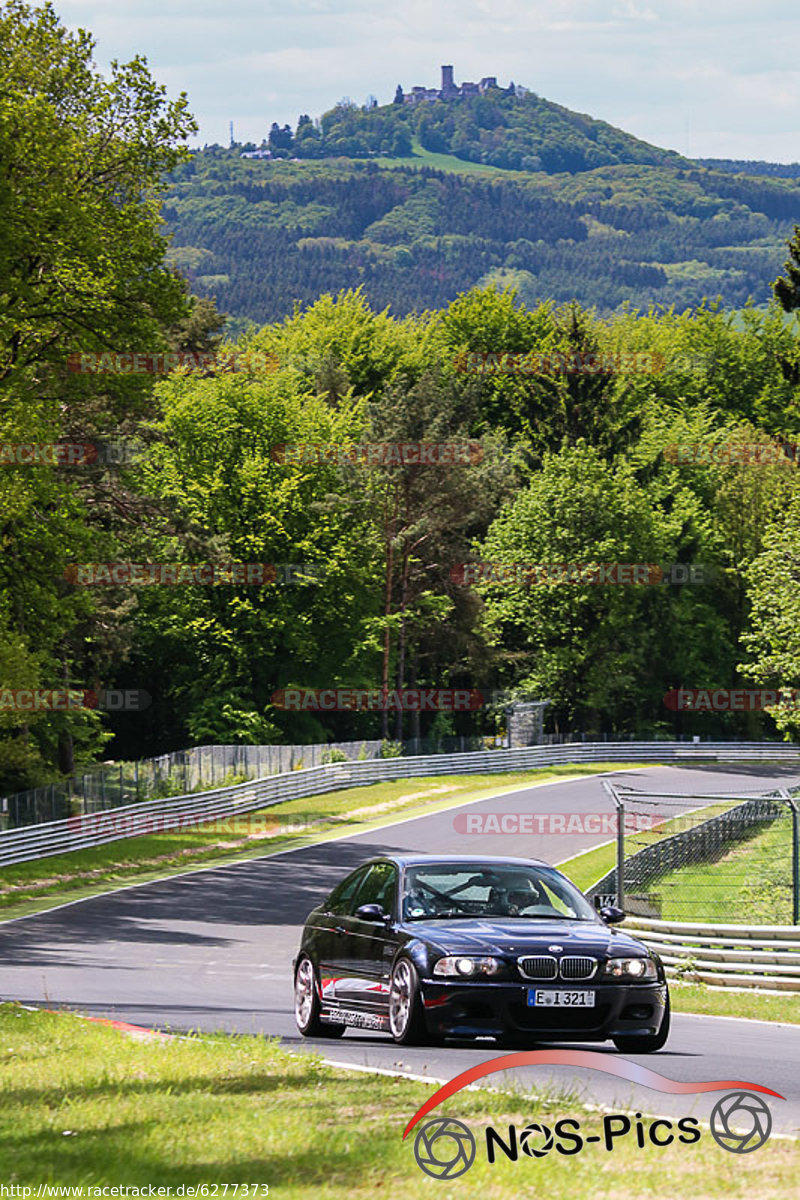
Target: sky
{"type": "Point", "coordinates": [711, 79]}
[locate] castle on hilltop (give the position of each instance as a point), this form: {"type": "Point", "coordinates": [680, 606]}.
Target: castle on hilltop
{"type": "Point", "coordinates": [452, 91]}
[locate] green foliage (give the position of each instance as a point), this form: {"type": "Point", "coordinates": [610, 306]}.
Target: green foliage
{"type": "Point", "coordinates": [773, 640]}
{"type": "Point", "coordinates": [365, 276]}
{"type": "Point", "coordinates": [499, 128]}
{"type": "Point", "coordinates": [418, 230]}
{"type": "Point", "coordinates": [81, 267]}
{"type": "Point", "coordinates": [334, 755]}
{"type": "Point", "coordinates": [604, 654]}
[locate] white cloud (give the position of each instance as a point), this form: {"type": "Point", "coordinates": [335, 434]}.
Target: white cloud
{"type": "Point", "coordinates": [642, 64]}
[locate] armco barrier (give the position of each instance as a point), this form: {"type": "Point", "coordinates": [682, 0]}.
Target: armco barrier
{"type": "Point", "coordinates": [766, 957]}
{"type": "Point", "coordinates": [81, 832]}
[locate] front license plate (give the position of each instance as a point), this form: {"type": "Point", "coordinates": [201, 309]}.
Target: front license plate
{"type": "Point", "coordinates": [549, 999]}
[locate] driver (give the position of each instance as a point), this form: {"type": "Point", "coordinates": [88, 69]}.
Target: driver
{"type": "Point", "coordinates": [416, 905]}
{"type": "Point", "coordinates": [520, 899]}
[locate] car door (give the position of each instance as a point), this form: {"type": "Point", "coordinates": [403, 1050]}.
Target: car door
{"type": "Point", "coordinates": [372, 944]}
{"type": "Point", "coordinates": [333, 936]}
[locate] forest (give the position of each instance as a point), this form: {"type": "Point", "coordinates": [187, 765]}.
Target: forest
{"type": "Point", "coordinates": [174, 541]}
{"type": "Point", "coordinates": [260, 236]}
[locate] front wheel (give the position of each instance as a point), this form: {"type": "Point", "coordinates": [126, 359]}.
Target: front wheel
{"type": "Point", "coordinates": [647, 1043]}
{"type": "Point", "coordinates": [307, 1006]}
{"type": "Point", "coordinates": [406, 1018]}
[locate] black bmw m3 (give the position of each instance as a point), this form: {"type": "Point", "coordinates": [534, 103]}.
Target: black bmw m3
{"type": "Point", "coordinates": [427, 948]}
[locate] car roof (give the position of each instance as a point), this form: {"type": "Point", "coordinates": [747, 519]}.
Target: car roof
{"type": "Point", "coordinates": [418, 860]}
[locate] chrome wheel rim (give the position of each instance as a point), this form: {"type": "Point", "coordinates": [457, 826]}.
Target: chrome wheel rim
{"type": "Point", "coordinates": [304, 993]}
{"type": "Point", "coordinates": [400, 999]}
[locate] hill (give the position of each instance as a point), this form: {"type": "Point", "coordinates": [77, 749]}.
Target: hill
{"type": "Point", "coordinates": [499, 128]}
{"type": "Point", "coordinates": [419, 202]}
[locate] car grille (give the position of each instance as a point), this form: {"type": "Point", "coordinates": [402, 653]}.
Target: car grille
{"type": "Point", "coordinates": [544, 966]}
{"type": "Point", "coordinates": [540, 967]}
{"type": "Point", "coordinates": [578, 968]}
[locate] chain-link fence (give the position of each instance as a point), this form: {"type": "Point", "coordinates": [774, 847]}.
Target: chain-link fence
{"type": "Point", "coordinates": [202, 768]}
{"type": "Point", "coordinates": [725, 857]}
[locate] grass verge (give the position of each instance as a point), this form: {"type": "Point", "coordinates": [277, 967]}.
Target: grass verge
{"type": "Point", "coordinates": [727, 889]}
{"type": "Point", "coordinates": [699, 998]}
{"type": "Point", "coordinates": [33, 887]}
{"type": "Point", "coordinates": [585, 869]}
{"type": "Point", "coordinates": [753, 878]}
{"type": "Point", "coordinates": [86, 1106]}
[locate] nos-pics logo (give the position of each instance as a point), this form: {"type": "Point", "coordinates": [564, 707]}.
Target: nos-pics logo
{"type": "Point", "coordinates": [446, 1148]}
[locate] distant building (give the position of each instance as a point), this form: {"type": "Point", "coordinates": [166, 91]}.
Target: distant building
{"type": "Point", "coordinates": [256, 154]}
{"type": "Point", "coordinates": [449, 89]}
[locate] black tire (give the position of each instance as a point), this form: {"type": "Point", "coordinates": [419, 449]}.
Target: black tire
{"type": "Point", "coordinates": [406, 1018]}
{"type": "Point", "coordinates": [650, 1042]}
{"type": "Point", "coordinates": [306, 1003]}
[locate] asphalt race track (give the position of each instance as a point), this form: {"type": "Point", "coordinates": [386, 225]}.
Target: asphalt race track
{"type": "Point", "coordinates": [213, 950]}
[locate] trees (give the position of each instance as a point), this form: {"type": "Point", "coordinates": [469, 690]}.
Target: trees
{"type": "Point", "coordinates": [427, 514]}
{"type": "Point", "coordinates": [604, 653]}
{"type": "Point", "coordinates": [773, 641]}
{"type": "Point", "coordinates": [83, 163]}
{"type": "Point", "coordinates": [217, 654]}
{"type": "Point", "coordinates": [787, 287]}
{"type": "Point", "coordinates": [81, 267]}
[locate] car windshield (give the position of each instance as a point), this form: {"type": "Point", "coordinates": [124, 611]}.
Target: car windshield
{"type": "Point", "coordinates": [447, 890]}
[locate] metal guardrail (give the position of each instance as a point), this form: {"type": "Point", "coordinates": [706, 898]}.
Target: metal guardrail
{"type": "Point", "coordinates": [184, 772]}
{"type": "Point", "coordinates": [181, 772]}
{"type": "Point", "coordinates": [83, 831]}
{"type": "Point", "coordinates": [766, 957]}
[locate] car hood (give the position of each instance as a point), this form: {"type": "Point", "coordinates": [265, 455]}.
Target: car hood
{"type": "Point", "coordinates": [519, 936]}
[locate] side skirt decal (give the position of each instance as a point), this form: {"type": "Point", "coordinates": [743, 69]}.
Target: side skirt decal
{"type": "Point", "coordinates": [350, 1016]}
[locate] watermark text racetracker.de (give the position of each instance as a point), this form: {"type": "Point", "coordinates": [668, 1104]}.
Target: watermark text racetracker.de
{"type": "Point", "coordinates": [128, 362]}
{"type": "Point", "coordinates": [121, 823]}
{"type": "Point", "coordinates": [431, 454]}
{"type": "Point", "coordinates": [553, 362]}
{"type": "Point", "coordinates": [468, 574]}
{"type": "Point", "coordinates": [115, 452]}
{"type": "Point", "coordinates": [732, 453]}
{"type": "Point", "coordinates": [28, 700]}
{"type": "Point", "coordinates": [207, 574]}
{"type": "Point", "coordinates": [546, 823]}
{"type": "Point", "coordinates": [196, 1191]}
{"type": "Point", "coordinates": [731, 699]}
{"type": "Point", "coordinates": [347, 699]}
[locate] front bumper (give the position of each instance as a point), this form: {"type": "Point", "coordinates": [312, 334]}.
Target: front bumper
{"type": "Point", "coordinates": [472, 1009]}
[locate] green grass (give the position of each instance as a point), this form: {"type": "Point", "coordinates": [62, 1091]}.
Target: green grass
{"type": "Point", "coordinates": [35, 886]}
{"type": "Point", "coordinates": [85, 1105]}
{"type": "Point", "coordinates": [698, 998]}
{"type": "Point", "coordinates": [587, 868]}
{"type": "Point", "coordinates": [420, 157]}
{"type": "Point", "coordinates": [752, 883]}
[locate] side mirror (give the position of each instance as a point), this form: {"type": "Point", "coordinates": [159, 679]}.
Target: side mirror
{"type": "Point", "coordinates": [612, 915]}
{"type": "Point", "coordinates": [372, 912]}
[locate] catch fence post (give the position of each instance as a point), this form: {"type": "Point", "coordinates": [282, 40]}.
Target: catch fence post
{"type": "Point", "coordinates": [614, 794]}
{"type": "Point", "coordinates": [795, 855]}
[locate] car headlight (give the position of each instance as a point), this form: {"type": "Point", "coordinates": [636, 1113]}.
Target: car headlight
{"type": "Point", "coordinates": [631, 968]}
{"type": "Point", "coordinates": [464, 968]}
